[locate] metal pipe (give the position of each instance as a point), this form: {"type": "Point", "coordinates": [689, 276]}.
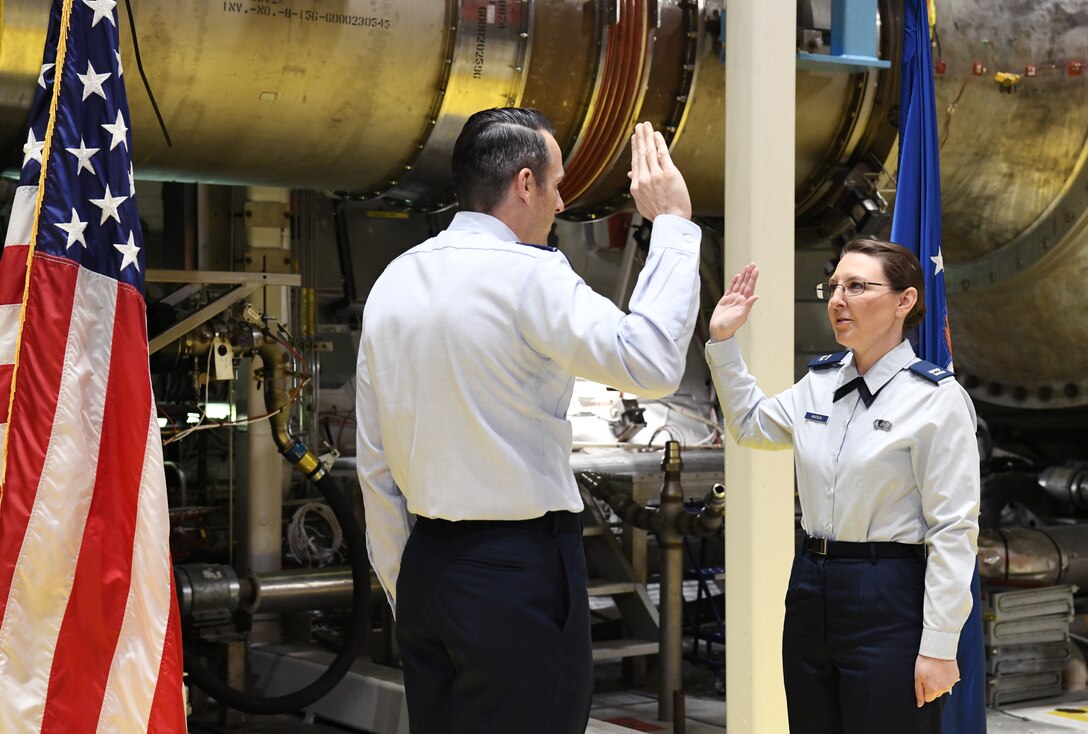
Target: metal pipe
{"type": "Point", "coordinates": [1068, 484]}
{"type": "Point", "coordinates": [710, 518]}
{"type": "Point", "coordinates": [298, 591]}
{"type": "Point", "coordinates": [671, 542]}
{"type": "Point", "coordinates": [671, 523]}
{"type": "Point", "coordinates": [626, 509]}
{"type": "Point", "coordinates": [206, 590]}
{"type": "Point", "coordinates": [276, 356]}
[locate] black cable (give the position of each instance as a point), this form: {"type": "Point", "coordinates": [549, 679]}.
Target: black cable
{"type": "Point", "coordinates": [340, 503]}
{"type": "Point", "coordinates": [147, 85]}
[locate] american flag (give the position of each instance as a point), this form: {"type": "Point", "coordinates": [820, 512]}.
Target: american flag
{"type": "Point", "coordinates": [89, 629]}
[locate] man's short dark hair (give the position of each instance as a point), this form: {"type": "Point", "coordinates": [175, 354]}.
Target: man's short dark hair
{"type": "Point", "coordinates": [493, 146]}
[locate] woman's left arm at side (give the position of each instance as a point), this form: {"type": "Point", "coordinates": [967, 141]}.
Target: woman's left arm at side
{"type": "Point", "coordinates": [946, 466]}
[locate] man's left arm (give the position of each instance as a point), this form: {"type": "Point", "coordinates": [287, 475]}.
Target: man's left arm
{"type": "Point", "coordinates": [643, 351]}
{"type": "Point", "coordinates": [388, 521]}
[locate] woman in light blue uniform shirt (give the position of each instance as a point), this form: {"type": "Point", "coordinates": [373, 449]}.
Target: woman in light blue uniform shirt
{"type": "Point", "coordinates": [888, 478]}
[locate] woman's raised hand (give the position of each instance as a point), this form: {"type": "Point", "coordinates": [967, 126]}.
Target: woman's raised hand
{"type": "Point", "coordinates": [732, 310]}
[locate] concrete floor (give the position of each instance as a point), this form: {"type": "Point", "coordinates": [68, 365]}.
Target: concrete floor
{"type": "Point", "coordinates": [621, 709]}
{"type": "Point", "coordinates": [627, 712]}
{"type": "Point", "coordinates": [1057, 716]}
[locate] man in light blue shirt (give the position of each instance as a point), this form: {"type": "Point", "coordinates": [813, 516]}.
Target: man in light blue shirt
{"type": "Point", "coordinates": [470, 345]}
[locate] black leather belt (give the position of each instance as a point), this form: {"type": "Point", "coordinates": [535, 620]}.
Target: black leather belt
{"type": "Point", "coordinates": [868, 551]}
{"type": "Point", "coordinates": [549, 522]}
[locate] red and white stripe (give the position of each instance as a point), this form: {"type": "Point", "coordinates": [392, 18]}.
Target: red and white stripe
{"type": "Point", "coordinates": [89, 639]}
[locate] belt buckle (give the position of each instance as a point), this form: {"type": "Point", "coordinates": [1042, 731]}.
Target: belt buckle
{"type": "Point", "coordinates": [817, 546]}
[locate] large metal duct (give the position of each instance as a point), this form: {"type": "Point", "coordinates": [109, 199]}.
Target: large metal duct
{"type": "Point", "coordinates": [365, 97]}
{"type": "Point", "coordinates": [1014, 186]}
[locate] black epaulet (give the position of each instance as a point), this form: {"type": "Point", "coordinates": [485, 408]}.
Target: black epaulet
{"type": "Point", "coordinates": [828, 360]}
{"type": "Point", "coordinates": [930, 371]}
{"type": "Point", "coordinates": [546, 248]}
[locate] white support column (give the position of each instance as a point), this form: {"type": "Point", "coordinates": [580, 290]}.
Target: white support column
{"type": "Point", "coordinates": [759, 226]}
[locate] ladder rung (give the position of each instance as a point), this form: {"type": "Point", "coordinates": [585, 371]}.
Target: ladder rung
{"type": "Point", "coordinates": [604, 587]}
{"type": "Point", "coordinates": [624, 648]}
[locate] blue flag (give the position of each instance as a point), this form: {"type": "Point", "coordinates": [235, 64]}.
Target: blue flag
{"type": "Point", "coordinates": [916, 224]}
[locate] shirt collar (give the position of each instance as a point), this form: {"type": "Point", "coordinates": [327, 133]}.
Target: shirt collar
{"type": "Point", "coordinates": [480, 223]}
{"type": "Point", "coordinates": [881, 373]}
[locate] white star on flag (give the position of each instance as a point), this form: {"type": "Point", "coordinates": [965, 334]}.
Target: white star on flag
{"type": "Point", "coordinates": [108, 204]}
{"type": "Point", "coordinates": [938, 260]}
{"type": "Point", "coordinates": [120, 70]}
{"type": "Point", "coordinates": [32, 149]}
{"type": "Point", "coordinates": [117, 130]}
{"type": "Point", "coordinates": [92, 82]}
{"type": "Point", "coordinates": [41, 75]}
{"type": "Point", "coordinates": [131, 180]}
{"type": "Point", "coordinates": [75, 230]}
{"type": "Point", "coordinates": [102, 9]}
{"type": "Point", "coordinates": [130, 251]}
{"type": "Point", "coordinates": [83, 153]}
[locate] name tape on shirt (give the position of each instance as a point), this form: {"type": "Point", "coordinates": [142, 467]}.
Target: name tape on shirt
{"type": "Point", "coordinates": [816, 417]}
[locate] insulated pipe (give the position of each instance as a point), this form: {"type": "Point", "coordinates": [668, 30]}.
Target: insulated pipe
{"type": "Point", "coordinates": [1034, 556]}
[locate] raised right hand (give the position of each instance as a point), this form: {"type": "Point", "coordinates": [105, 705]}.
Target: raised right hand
{"type": "Point", "coordinates": [657, 185]}
{"type": "Point", "coordinates": [732, 310]}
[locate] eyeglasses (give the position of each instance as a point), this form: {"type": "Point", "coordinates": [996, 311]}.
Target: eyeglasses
{"type": "Point", "coordinates": [824, 291]}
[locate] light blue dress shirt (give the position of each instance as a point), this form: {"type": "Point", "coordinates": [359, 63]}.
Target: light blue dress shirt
{"type": "Point", "coordinates": [904, 469]}
{"type": "Point", "coordinates": [470, 345]}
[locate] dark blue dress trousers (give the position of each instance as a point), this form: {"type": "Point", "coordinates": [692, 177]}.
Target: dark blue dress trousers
{"type": "Point", "coordinates": [849, 646]}
{"type": "Point", "coordinates": [493, 627]}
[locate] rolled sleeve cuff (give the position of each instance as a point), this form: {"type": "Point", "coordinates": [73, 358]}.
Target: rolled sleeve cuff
{"type": "Point", "coordinates": [936, 644]}
{"type": "Point", "coordinates": [719, 354]}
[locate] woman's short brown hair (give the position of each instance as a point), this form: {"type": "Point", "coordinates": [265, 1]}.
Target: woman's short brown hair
{"type": "Point", "coordinates": [900, 268]}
